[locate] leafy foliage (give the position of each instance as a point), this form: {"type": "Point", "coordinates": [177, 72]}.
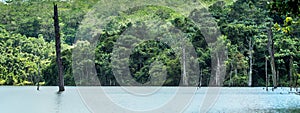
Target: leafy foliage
{"type": "Point", "coordinates": [27, 47]}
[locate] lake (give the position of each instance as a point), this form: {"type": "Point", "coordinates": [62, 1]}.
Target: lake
{"type": "Point", "coordinates": [146, 99]}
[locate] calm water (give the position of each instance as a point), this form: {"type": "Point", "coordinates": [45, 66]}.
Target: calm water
{"type": "Point", "coordinates": [73, 100]}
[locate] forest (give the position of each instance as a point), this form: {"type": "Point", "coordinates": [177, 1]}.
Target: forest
{"type": "Point", "coordinates": [262, 39]}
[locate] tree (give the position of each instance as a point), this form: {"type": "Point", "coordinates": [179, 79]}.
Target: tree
{"type": "Point", "coordinates": [27, 25]}
{"type": "Point", "coordinates": [58, 50]}
{"type": "Point", "coordinates": [271, 53]}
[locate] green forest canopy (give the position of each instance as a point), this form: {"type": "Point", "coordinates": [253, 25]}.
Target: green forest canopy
{"type": "Point", "coordinates": [28, 56]}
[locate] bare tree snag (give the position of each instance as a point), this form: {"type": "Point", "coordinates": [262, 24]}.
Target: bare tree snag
{"type": "Point", "coordinates": [291, 72]}
{"type": "Point", "coordinates": [58, 50]}
{"type": "Point", "coordinates": [271, 53]}
{"type": "Point", "coordinates": [250, 61]}
{"type": "Point", "coordinates": [184, 76]}
{"type": "Point", "coordinates": [266, 69]}
{"type": "Point", "coordinates": [230, 75]}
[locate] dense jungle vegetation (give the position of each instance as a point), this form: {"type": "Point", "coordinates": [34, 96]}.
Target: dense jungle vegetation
{"type": "Point", "coordinates": [251, 30]}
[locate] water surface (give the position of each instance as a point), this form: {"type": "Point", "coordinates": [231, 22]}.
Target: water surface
{"type": "Point", "coordinates": [47, 100]}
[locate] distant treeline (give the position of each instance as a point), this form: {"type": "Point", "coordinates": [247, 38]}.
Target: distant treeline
{"type": "Point", "coordinates": [250, 31]}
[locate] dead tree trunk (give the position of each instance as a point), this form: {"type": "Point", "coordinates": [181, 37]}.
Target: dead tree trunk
{"type": "Point", "coordinates": [236, 73]}
{"type": "Point", "coordinates": [277, 76]}
{"type": "Point", "coordinates": [58, 50]}
{"type": "Point", "coordinates": [218, 70]}
{"type": "Point", "coordinates": [200, 78]}
{"type": "Point", "coordinates": [296, 83]}
{"type": "Point", "coordinates": [38, 79]}
{"type": "Point", "coordinates": [271, 52]}
{"type": "Point", "coordinates": [250, 61]}
{"type": "Point", "coordinates": [184, 76]}
{"type": "Point", "coordinates": [291, 72]}
{"type": "Point", "coordinates": [266, 69]}
{"type": "Point", "coordinates": [230, 75]}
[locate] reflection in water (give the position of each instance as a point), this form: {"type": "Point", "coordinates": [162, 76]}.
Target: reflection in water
{"type": "Point", "coordinates": [59, 96]}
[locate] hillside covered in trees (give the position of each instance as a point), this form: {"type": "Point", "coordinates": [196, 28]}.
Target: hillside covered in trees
{"type": "Point", "coordinates": [260, 36]}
